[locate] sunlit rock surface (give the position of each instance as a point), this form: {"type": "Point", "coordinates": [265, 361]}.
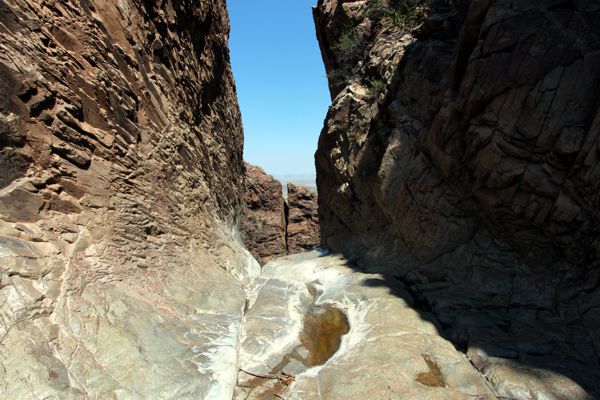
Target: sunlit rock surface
{"type": "Point", "coordinates": [263, 223]}
{"type": "Point", "coordinates": [121, 274]}
{"type": "Point", "coordinates": [386, 350]}
{"type": "Point", "coordinates": [302, 219]}
{"type": "Point", "coordinates": [273, 223]}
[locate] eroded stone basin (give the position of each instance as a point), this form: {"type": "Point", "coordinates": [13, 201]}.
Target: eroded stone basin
{"type": "Point", "coordinates": [320, 337]}
{"type": "Point", "coordinates": [322, 333]}
{"type": "Point", "coordinates": [316, 329]}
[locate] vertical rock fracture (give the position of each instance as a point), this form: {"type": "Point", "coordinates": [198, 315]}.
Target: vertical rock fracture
{"type": "Point", "coordinates": [274, 224]}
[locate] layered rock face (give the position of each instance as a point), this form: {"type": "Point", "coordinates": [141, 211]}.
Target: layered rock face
{"type": "Point", "coordinates": [264, 220]}
{"type": "Point", "coordinates": [122, 174]}
{"type": "Point", "coordinates": [302, 220]}
{"type": "Point", "coordinates": [272, 225]}
{"type": "Point", "coordinates": [460, 156]}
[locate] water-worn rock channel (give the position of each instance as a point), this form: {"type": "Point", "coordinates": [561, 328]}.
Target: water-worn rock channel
{"type": "Point", "coordinates": [314, 328]}
{"type": "Point", "coordinates": [460, 159]}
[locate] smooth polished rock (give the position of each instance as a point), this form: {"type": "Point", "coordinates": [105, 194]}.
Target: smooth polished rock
{"type": "Point", "coordinates": [390, 351]}
{"type": "Point", "coordinates": [519, 381]}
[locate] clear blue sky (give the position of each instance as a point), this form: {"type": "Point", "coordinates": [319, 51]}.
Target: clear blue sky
{"type": "Point", "coordinates": [281, 82]}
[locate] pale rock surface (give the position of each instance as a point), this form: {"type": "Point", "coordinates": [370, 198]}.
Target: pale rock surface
{"type": "Point", "coordinates": [460, 157]}
{"type": "Point", "coordinates": [389, 350]}
{"type": "Point", "coordinates": [121, 272]}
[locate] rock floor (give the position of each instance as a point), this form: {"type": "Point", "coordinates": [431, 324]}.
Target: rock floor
{"type": "Point", "coordinates": [304, 306]}
{"type": "Point", "coordinates": [308, 326]}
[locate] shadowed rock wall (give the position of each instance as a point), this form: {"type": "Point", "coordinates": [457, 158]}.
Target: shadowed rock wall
{"type": "Point", "coordinates": [122, 174]}
{"type": "Point", "coordinates": [461, 156]}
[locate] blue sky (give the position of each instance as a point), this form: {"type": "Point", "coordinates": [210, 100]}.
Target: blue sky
{"type": "Point", "coordinates": [281, 82]}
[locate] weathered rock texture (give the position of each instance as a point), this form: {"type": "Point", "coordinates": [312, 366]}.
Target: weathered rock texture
{"type": "Point", "coordinates": [122, 174]}
{"type": "Point", "coordinates": [264, 222]}
{"type": "Point", "coordinates": [273, 225]}
{"type": "Point", "coordinates": [302, 219]}
{"type": "Point", "coordinates": [462, 157]}
{"type": "Point", "coordinates": [386, 350]}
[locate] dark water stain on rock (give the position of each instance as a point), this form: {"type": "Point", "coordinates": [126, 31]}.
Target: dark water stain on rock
{"type": "Point", "coordinates": [322, 334]}
{"type": "Point", "coordinates": [433, 377]}
{"type": "Point", "coordinates": [320, 338]}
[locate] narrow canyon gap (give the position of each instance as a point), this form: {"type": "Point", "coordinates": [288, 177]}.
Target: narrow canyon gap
{"type": "Point", "coordinates": [458, 183]}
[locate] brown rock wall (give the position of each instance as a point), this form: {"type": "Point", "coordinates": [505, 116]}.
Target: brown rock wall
{"type": "Point", "coordinates": [122, 173]}
{"type": "Point", "coordinates": [302, 220]}
{"type": "Point", "coordinates": [272, 225]}
{"type": "Point", "coordinates": [459, 157]}
{"type": "Point", "coordinates": [264, 223]}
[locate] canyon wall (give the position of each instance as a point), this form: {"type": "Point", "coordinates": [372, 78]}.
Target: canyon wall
{"type": "Point", "coordinates": [121, 153]}
{"type": "Point", "coordinates": [273, 225]}
{"type": "Point", "coordinates": [302, 219]}
{"type": "Point", "coordinates": [264, 221]}
{"type": "Point", "coordinates": [460, 157]}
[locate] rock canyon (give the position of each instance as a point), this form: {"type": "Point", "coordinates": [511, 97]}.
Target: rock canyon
{"type": "Point", "coordinates": [274, 224]}
{"type": "Point", "coordinates": [453, 254]}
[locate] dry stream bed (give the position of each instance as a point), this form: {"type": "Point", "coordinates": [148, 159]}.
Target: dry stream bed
{"type": "Point", "coordinates": [314, 328]}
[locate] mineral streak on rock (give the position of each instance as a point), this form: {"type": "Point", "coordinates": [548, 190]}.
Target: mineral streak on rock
{"type": "Point", "coordinates": [121, 157]}
{"type": "Point", "coordinates": [461, 155]}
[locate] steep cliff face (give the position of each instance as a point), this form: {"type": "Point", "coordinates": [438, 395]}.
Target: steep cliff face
{"type": "Point", "coordinates": [460, 156]}
{"type": "Point", "coordinates": [273, 225]}
{"type": "Point", "coordinates": [302, 220]}
{"type": "Point", "coordinates": [121, 153]}
{"type": "Point", "coordinates": [264, 221]}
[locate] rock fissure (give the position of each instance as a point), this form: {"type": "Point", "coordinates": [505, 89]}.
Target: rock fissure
{"type": "Point", "coordinates": [286, 217]}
